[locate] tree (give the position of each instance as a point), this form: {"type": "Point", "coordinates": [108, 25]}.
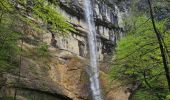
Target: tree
{"type": "Point", "coordinates": [161, 46]}
{"type": "Point", "coordinates": [15, 18]}
{"type": "Point", "coordinates": [138, 57]}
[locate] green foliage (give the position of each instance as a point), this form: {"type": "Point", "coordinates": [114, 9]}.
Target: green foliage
{"type": "Point", "coordinates": [30, 98]}
{"type": "Point", "coordinates": [9, 98]}
{"type": "Point", "coordinates": [42, 50]}
{"type": "Point", "coordinates": [144, 95]}
{"type": "Point", "coordinates": [15, 20]}
{"type": "Point", "coordinates": [8, 38]}
{"type": "Point", "coordinates": [49, 14]}
{"type": "Point", "coordinates": [138, 55]}
{"type": "Point", "coordinates": [168, 97]}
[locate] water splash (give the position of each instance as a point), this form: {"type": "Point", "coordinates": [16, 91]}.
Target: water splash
{"type": "Point", "coordinates": [94, 71]}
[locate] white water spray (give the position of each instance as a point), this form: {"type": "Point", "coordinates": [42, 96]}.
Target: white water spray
{"type": "Point", "coordinates": [94, 71]}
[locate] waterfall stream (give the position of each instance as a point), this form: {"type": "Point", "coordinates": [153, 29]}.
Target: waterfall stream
{"type": "Point", "coordinates": [94, 71]}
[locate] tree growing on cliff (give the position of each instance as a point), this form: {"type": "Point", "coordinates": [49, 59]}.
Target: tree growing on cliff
{"type": "Point", "coordinates": [13, 17]}
{"type": "Point", "coordinates": [16, 16]}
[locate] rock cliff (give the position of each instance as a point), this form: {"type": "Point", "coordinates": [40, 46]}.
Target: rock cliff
{"type": "Point", "coordinates": [108, 17]}
{"type": "Point", "coordinates": [62, 74]}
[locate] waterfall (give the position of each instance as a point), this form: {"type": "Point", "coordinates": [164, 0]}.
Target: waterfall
{"type": "Point", "coordinates": [94, 71]}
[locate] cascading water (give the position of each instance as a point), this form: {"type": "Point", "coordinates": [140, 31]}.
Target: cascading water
{"type": "Point", "coordinates": [94, 71]}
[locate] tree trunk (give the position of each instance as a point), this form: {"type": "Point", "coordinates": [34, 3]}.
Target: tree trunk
{"type": "Point", "coordinates": [163, 53]}
{"type": "Point", "coordinates": [19, 73]}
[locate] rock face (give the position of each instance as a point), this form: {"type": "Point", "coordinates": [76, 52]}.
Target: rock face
{"type": "Point", "coordinates": [63, 75]}
{"type": "Point", "coordinates": [109, 25]}
{"type": "Point", "coordinates": [56, 79]}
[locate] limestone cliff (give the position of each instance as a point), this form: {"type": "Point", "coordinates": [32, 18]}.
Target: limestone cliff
{"type": "Point", "coordinates": [62, 74]}
{"type": "Point", "coordinates": [109, 25]}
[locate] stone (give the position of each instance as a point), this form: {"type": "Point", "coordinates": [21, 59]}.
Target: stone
{"type": "Point", "coordinates": [63, 76]}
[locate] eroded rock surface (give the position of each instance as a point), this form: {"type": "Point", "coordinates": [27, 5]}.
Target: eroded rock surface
{"type": "Point", "coordinates": [63, 74]}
